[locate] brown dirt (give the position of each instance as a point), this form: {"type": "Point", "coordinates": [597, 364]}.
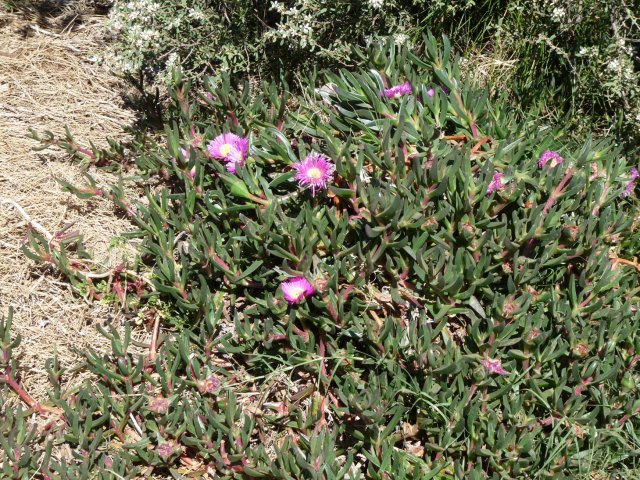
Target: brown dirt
{"type": "Point", "coordinates": [47, 81]}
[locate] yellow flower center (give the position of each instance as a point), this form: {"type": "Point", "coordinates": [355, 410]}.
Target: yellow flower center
{"type": "Point", "coordinates": [315, 173]}
{"type": "Point", "coordinates": [225, 149]}
{"type": "Point", "coordinates": [296, 292]}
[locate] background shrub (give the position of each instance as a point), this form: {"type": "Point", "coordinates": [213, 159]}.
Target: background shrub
{"type": "Point", "coordinates": [475, 312]}
{"type": "Point", "coordinates": [577, 61]}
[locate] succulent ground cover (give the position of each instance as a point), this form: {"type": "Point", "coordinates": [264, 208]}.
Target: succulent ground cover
{"type": "Point", "coordinates": [390, 275]}
{"type": "Point", "coordinates": [577, 61]}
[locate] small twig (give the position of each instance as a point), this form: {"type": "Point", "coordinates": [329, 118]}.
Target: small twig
{"type": "Point", "coordinates": [179, 237]}
{"type": "Point", "coordinates": [154, 339]}
{"type": "Point", "coordinates": [482, 141]}
{"type": "Point", "coordinates": [9, 245]}
{"type": "Point", "coordinates": [455, 138]}
{"type": "Point", "coordinates": [37, 29]}
{"type": "Point", "coordinates": [136, 425]}
{"type": "Point", "coordinates": [124, 272]}
{"type": "Point", "coordinates": [623, 261]}
{"type": "Point", "coordinates": [27, 218]}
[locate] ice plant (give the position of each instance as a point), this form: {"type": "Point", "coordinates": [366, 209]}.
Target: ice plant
{"type": "Point", "coordinates": [494, 366]}
{"type": "Point", "coordinates": [166, 450]}
{"type": "Point", "coordinates": [235, 160]}
{"type": "Point", "coordinates": [209, 384]}
{"type": "Point", "coordinates": [223, 145]}
{"type": "Point", "coordinates": [314, 172]}
{"type": "Point", "coordinates": [496, 183]}
{"type": "Point", "coordinates": [631, 183]}
{"type": "Point", "coordinates": [230, 148]}
{"type": "Point", "coordinates": [159, 405]}
{"type": "Point", "coordinates": [297, 289]}
{"type": "Point", "coordinates": [185, 155]}
{"type": "Point", "coordinates": [550, 156]}
{"type": "Point", "coordinates": [431, 92]}
{"type": "Point", "coordinates": [398, 90]}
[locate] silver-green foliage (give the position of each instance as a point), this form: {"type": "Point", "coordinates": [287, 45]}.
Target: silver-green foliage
{"type": "Point", "coordinates": [420, 274]}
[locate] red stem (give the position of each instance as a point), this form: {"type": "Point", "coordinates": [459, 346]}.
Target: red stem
{"type": "Point", "coordinates": [86, 151]}
{"type": "Point", "coordinates": [24, 396]}
{"type": "Point", "coordinates": [547, 206]}
{"type": "Point", "coordinates": [556, 193]}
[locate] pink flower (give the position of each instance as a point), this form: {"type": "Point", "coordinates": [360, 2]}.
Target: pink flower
{"type": "Point", "coordinates": [185, 156]}
{"type": "Point", "coordinates": [628, 190]}
{"type": "Point", "coordinates": [235, 160]}
{"type": "Point", "coordinates": [314, 172]}
{"type": "Point", "coordinates": [159, 405]}
{"type": "Point", "coordinates": [231, 148]}
{"type": "Point", "coordinates": [398, 90]}
{"type": "Point", "coordinates": [494, 366]}
{"type": "Point", "coordinates": [297, 289]}
{"type": "Point", "coordinates": [496, 183]}
{"type": "Point", "coordinates": [243, 146]}
{"type": "Point", "coordinates": [209, 385]}
{"type": "Point", "coordinates": [167, 449]}
{"type": "Point", "coordinates": [431, 92]}
{"type": "Point", "coordinates": [553, 157]}
{"type": "Point", "coordinates": [221, 146]}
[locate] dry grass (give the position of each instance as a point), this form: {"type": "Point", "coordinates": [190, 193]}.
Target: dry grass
{"type": "Point", "coordinates": [47, 81]}
{"type": "Point", "coordinates": [488, 70]}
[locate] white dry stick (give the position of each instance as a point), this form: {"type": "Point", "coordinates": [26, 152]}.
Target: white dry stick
{"type": "Point", "coordinates": [9, 245]}
{"type": "Point", "coordinates": [27, 218]}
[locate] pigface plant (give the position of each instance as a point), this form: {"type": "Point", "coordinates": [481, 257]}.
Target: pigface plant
{"type": "Point", "coordinates": [417, 283]}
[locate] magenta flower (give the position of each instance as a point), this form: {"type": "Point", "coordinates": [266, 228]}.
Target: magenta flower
{"type": "Point", "coordinates": [431, 92]}
{"type": "Point", "coordinates": [235, 160]}
{"type": "Point", "coordinates": [496, 184]}
{"type": "Point", "coordinates": [494, 366]}
{"type": "Point", "coordinates": [628, 190]}
{"type": "Point", "coordinates": [209, 385]}
{"type": "Point", "coordinates": [222, 146]}
{"type": "Point", "coordinates": [231, 148]}
{"type": "Point", "coordinates": [185, 155]}
{"type": "Point", "coordinates": [297, 289]}
{"type": "Point", "coordinates": [166, 449]}
{"type": "Point", "coordinates": [159, 405]}
{"type": "Point", "coordinates": [243, 146]}
{"type": "Point", "coordinates": [550, 156]}
{"type": "Point", "coordinates": [398, 90]}
{"type": "Point", "coordinates": [314, 172]}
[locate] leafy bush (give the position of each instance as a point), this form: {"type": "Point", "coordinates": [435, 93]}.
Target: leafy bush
{"type": "Point", "coordinates": [238, 36]}
{"type": "Point", "coordinates": [153, 36]}
{"type": "Point", "coordinates": [574, 59]}
{"type": "Point", "coordinates": [468, 307]}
